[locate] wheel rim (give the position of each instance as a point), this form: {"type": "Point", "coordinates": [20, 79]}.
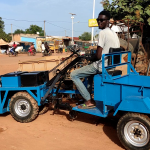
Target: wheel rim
{"type": "Point", "coordinates": [22, 107]}
{"type": "Point", "coordinates": [136, 133]}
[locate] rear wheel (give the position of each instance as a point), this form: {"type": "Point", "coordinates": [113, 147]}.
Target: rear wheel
{"type": "Point", "coordinates": [34, 53]}
{"type": "Point", "coordinates": [28, 53]}
{"type": "Point", "coordinates": [133, 130]}
{"type": "Point", "coordinates": [16, 53]}
{"type": "Point", "coordinates": [23, 107]}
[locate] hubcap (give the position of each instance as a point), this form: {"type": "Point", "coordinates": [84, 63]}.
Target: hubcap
{"type": "Point", "coordinates": [136, 133]}
{"type": "Point", "coordinates": [22, 107]}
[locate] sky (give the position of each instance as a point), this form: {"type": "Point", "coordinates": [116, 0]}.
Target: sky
{"type": "Point", "coordinates": [23, 13]}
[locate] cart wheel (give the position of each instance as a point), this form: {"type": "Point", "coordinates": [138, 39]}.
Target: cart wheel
{"type": "Point", "coordinates": [43, 109]}
{"type": "Point", "coordinates": [23, 107]}
{"type": "Point", "coordinates": [133, 130]}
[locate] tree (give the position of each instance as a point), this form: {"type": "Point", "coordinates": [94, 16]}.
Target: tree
{"type": "Point", "coordinates": [138, 10]}
{"type": "Point", "coordinates": [86, 36]}
{"type": "Point", "coordinates": [33, 29]}
{"type": "Point", "coordinates": [1, 24]}
{"type": "Point", "coordinates": [18, 31]}
{"type": "Point", "coordinates": [5, 36]}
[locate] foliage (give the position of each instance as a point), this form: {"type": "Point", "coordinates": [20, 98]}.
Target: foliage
{"type": "Point", "coordinates": [19, 31]}
{"type": "Point", "coordinates": [5, 36]}
{"type": "Point", "coordinates": [138, 10]}
{"type": "Point", "coordinates": [86, 36]}
{"type": "Point", "coordinates": [33, 29]}
{"type": "Point", "coordinates": [1, 24]}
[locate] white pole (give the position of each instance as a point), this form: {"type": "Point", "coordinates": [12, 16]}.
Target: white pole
{"type": "Point", "coordinates": [72, 30]}
{"type": "Point", "coordinates": [93, 18]}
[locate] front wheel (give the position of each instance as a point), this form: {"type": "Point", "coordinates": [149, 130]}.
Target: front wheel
{"type": "Point", "coordinates": [23, 107]}
{"type": "Point", "coordinates": [9, 54]}
{"type": "Point", "coordinates": [133, 130]}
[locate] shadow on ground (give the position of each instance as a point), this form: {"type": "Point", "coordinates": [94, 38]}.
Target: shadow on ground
{"type": "Point", "coordinates": [109, 124]}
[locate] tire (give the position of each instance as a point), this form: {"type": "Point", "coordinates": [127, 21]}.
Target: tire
{"type": "Point", "coordinates": [43, 109]}
{"type": "Point", "coordinates": [34, 54]}
{"type": "Point", "coordinates": [28, 53]}
{"type": "Point", "coordinates": [9, 54]}
{"type": "Point", "coordinates": [16, 53]}
{"type": "Point", "coordinates": [133, 130]}
{"type": "Point", "coordinates": [23, 107]}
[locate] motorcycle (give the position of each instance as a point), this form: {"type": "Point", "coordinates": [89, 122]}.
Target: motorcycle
{"type": "Point", "coordinates": [45, 53]}
{"type": "Point", "coordinates": [12, 52]}
{"type": "Point", "coordinates": [33, 53]}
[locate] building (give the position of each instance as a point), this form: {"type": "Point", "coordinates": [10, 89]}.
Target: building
{"type": "Point", "coordinates": [26, 38]}
{"type": "Point", "coordinates": [3, 46]}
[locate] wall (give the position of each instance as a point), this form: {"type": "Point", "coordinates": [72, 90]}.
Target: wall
{"type": "Point", "coordinates": [27, 39]}
{"type": "Point", "coordinates": [16, 37]}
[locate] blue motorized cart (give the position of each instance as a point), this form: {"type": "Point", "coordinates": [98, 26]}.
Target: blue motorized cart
{"type": "Point", "coordinates": [26, 95]}
{"type": "Point", "coordinates": [127, 95]}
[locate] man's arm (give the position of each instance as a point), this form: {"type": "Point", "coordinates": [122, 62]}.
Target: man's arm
{"type": "Point", "coordinates": [98, 54]}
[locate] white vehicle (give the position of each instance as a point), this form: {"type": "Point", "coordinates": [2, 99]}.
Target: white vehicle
{"type": "Point", "coordinates": [19, 49]}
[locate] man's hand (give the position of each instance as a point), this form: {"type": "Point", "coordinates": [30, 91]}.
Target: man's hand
{"type": "Point", "coordinates": [98, 54]}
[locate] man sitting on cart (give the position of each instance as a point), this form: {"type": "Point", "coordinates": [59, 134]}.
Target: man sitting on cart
{"type": "Point", "coordinates": [107, 39]}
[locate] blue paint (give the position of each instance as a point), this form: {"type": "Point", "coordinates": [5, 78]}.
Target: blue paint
{"type": "Point", "coordinates": [130, 92]}
{"type": "Point", "coordinates": [11, 83]}
{"type": "Point", "coordinates": [28, 39]}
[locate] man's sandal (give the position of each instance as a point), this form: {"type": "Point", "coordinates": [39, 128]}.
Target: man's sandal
{"type": "Point", "coordinates": [84, 106]}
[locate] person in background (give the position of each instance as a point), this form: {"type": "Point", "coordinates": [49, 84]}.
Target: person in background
{"type": "Point", "coordinates": [31, 48]}
{"type": "Point", "coordinates": [47, 47]}
{"type": "Point", "coordinates": [14, 46]}
{"type": "Point", "coordinates": [43, 47]}
{"type": "Point", "coordinates": [61, 47]}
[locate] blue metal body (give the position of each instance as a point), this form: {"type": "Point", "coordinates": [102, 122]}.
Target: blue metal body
{"type": "Point", "coordinates": [12, 85]}
{"type": "Point", "coordinates": [130, 92]}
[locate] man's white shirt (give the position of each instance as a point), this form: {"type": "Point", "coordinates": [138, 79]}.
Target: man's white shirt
{"type": "Point", "coordinates": [107, 38]}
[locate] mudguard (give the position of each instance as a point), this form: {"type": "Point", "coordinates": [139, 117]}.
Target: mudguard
{"type": "Point", "coordinates": [137, 104]}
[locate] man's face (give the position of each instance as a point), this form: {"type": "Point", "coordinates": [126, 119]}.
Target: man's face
{"type": "Point", "coordinates": [102, 21]}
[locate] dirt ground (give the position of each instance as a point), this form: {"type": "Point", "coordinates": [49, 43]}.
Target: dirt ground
{"type": "Point", "coordinates": [55, 132]}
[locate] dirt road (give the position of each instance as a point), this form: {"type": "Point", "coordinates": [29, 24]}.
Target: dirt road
{"type": "Point", "coordinates": [54, 132]}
